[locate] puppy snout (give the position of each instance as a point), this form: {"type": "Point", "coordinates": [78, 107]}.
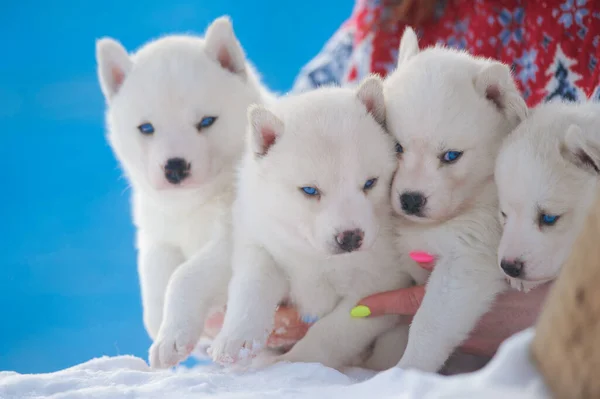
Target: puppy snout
{"type": "Point", "coordinates": [350, 240]}
{"type": "Point", "coordinates": [512, 268]}
{"type": "Point", "coordinates": [412, 203]}
{"type": "Point", "coordinates": [176, 170]}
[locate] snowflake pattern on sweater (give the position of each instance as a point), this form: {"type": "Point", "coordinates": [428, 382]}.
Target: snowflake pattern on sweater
{"type": "Point", "coordinates": [553, 47]}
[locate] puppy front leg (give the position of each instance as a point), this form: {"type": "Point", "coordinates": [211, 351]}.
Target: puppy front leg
{"type": "Point", "coordinates": [337, 339]}
{"type": "Point", "coordinates": [255, 290]}
{"type": "Point", "coordinates": [156, 264]}
{"type": "Point", "coordinates": [193, 289]}
{"type": "Point", "coordinates": [458, 293]}
{"type": "Point", "coordinates": [389, 348]}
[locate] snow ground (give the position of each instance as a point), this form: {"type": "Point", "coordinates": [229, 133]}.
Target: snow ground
{"type": "Point", "coordinates": [509, 375]}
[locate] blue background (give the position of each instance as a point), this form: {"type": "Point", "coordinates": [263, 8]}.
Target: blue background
{"type": "Point", "coordinates": [68, 281]}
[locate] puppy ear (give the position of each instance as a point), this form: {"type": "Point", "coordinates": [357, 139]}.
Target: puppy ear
{"type": "Point", "coordinates": [495, 83]}
{"type": "Point", "coordinates": [370, 93]}
{"type": "Point", "coordinates": [581, 150]}
{"type": "Point", "coordinates": [113, 66]}
{"type": "Point", "coordinates": [265, 129]}
{"type": "Point", "coordinates": [409, 45]}
{"type": "Point", "coordinates": [223, 46]}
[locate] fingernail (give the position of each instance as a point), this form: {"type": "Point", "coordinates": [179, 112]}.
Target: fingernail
{"type": "Point", "coordinates": [421, 257]}
{"type": "Point", "coordinates": [309, 319]}
{"type": "Point", "coordinates": [360, 311]}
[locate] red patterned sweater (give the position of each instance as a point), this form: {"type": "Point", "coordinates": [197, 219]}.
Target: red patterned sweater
{"type": "Point", "coordinates": [552, 46]}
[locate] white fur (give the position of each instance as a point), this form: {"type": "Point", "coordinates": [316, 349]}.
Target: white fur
{"type": "Point", "coordinates": [540, 170]}
{"type": "Point", "coordinates": [183, 230]}
{"type": "Point", "coordinates": [437, 102]}
{"type": "Point", "coordinates": [285, 241]}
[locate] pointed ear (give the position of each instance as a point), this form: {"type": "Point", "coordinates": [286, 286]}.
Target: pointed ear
{"type": "Point", "coordinates": [370, 93]}
{"type": "Point", "coordinates": [113, 66]}
{"type": "Point", "coordinates": [581, 150]}
{"type": "Point", "coordinates": [223, 46]}
{"type": "Point", "coordinates": [409, 45]}
{"type": "Point", "coordinates": [265, 129]}
{"type": "Point", "coordinates": [495, 83]}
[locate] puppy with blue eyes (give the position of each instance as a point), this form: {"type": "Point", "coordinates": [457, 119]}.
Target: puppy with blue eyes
{"type": "Point", "coordinates": [449, 113]}
{"type": "Point", "coordinates": [176, 119]}
{"type": "Point", "coordinates": [547, 174]}
{"type": "Point", "coordinates": [312, 222]}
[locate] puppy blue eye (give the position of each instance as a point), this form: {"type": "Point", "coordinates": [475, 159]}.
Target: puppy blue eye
{"type": "Point", "coordinates": [207, 121]}
{"type": "Point", "coordinates": [399, 148]}
{"type": "Point", "coordinates": [369, 184]}
{"type": "Point", "coordinates": [548, 220]}
{"type": "Point", "coordinates": [312, 191]}
{"type": "Point", "coordinates": [451, 156]}
{"type": "Point", "coordinates": [146, 128]}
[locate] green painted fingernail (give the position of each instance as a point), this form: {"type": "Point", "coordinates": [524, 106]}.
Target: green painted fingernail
{"type": "Point", "coordinates": [360, 311]}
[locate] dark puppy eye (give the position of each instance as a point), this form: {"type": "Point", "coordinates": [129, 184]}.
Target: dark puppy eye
{"type": "Point", "coordinates": [450, 157]}
{"type": "Point", "coordinates": [311, 192]}
{"type": "Point", "coordinates": [503, 215]}
{"type": "Point", "coordinates": [146, 128]}
{"type": "Point", "coordinates": [546, 220]}
{"type": "Point", "coordinates": [399, 148]}
{"type": "Point", "coordinates": [369, 184]}
{"type": "Point", "coordinates": [206, 122]}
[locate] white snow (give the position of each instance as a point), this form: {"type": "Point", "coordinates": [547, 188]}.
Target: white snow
{"type": "Point", "coordinates": [509, 374]}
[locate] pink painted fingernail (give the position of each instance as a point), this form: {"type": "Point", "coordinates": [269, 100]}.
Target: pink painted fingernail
{"type": "Point", "coordinates": [421, 257]}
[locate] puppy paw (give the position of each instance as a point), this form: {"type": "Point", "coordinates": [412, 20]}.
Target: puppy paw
{"type": "Point", "coordinates": [227, 349]}
{"type": "Point", "coordinates": [171, 348]}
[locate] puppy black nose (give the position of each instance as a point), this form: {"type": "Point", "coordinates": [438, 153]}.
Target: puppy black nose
{"type": "Point", "coordinates": [177, 169]}
{"type": "Point", "coordinates": [350, 240]}
{"type": "Point", "coordinates": [512, 268]}
{"type": "Point", "coordinates": [412, 202]}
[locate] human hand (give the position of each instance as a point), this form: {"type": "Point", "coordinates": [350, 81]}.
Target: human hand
{"type": "Point", "coordinates": [512, 312]}
{"type": "Point", "coordinates": [288, 327]}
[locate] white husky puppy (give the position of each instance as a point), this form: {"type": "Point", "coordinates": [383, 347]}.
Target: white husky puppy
{"type": "Point", "coordinates": [546, 172]}
{"type": "Point", "coordinates": [176, 122]}
{"type": "Point", "coordinates": [449, 112]}
{"type": "Point", "coordinates": [312, 223]}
